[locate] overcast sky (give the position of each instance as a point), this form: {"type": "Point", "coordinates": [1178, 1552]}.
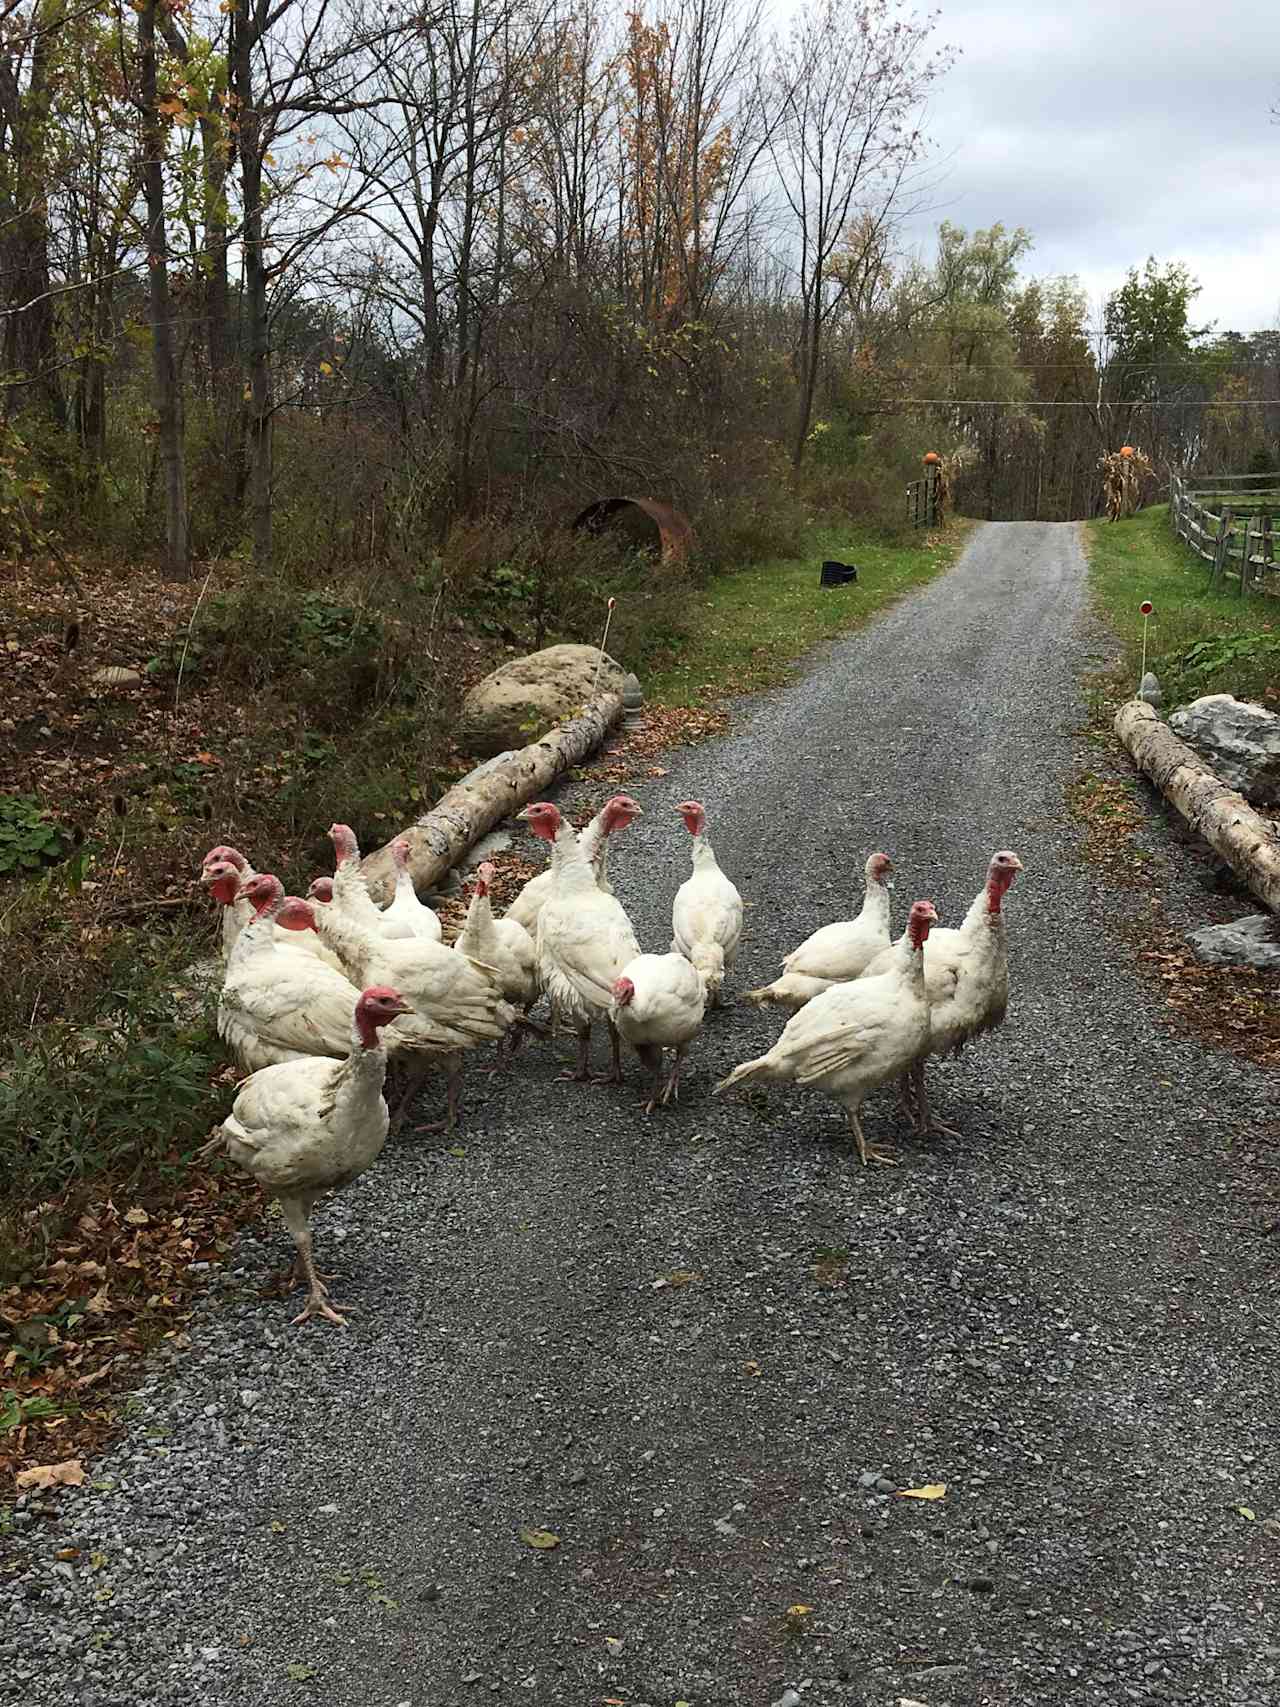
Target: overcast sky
{"type": "Point", "coordinates": [1115, 129]}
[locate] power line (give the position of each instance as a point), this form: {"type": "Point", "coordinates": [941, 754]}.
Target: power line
{"type": "Point", "coordinates": [1053, 403]}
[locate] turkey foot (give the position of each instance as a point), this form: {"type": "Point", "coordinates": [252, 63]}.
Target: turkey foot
{"type": "Point", "coordinates": [868, 1152]}
{"type": "Point", "coordinates": [318, 1304]}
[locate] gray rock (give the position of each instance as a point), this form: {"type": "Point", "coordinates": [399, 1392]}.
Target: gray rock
{"type": "Point", "coordinates": [519, 702]}
{"type": "Point", "coordinates": [115, 676]}
{"type": "Point", "coordinates": [1251, 941]}
{"type": "Point", "coordinates": [1149, 689]}
{"type": "Point", "coordinates": [1239, 741]}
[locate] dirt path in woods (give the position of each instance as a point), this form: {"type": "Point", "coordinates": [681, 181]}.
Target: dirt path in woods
{"type": "Point", "coordinates": [1058, 1317]}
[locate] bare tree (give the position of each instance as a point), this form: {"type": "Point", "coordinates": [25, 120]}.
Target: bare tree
{"type": "Point", "coordinates": [853, 79]}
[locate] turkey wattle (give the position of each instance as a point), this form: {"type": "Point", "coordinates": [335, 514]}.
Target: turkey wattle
{"type": "Point", "coordinates": [853, 1037]}
{"type": "Point", "coordinates": [658, 1003]}
{"type": "Point", "coordinates": [616, 813]}
{"type": "Point", "coordinates": [309, 1126]}
{"type": "Point", "coordinates": [585, 939]}
{"type": "Point", "coordinates": [706, 916]}
{"type": "Point", "coordinates": [836, 952]}
{"type": "Point", "coordinates": [967, 982]}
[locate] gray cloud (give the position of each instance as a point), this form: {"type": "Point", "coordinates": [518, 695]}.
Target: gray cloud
{"type": "Point", "coordinates": [1115, 129]}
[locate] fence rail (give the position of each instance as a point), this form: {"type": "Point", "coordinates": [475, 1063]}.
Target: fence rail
{"type": "Point", "coordinates": [1234, 534]}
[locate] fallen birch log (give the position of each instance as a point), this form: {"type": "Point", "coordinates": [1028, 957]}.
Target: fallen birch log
{"type": "Point", "coordinates": [473, 806]}
{"type": "Point", "coordinates": [1249, 844]}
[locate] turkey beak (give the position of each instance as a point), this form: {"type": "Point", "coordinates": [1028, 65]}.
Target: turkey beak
{"type": "Point", "coordinates": [402, 1008]}
{"type": "Point", "coordinates": [522, 816]}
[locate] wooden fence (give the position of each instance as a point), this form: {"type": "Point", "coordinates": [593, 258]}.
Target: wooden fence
{"type": "Point", "coordinates": [922, 498]}
{"type": "Point", "coordinates": [1225, 519]}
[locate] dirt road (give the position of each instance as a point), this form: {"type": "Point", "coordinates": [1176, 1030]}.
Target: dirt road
{"type": "Point", "coordinates": [1058, 1317]}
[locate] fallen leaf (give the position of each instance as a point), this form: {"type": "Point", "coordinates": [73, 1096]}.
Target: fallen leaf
{"type": "Point", "coordinates": [752, 1368]}
{"type": "Point", "coordinates": [67, 1553]}
{"type": "Point", "coordinates": [542, 1539]}
{"type": "Point", "coordinates": [932, 1491]}
{"type": "Point", "coordinates": [1245, 1512]}
{"type": "Point", "coordinates": [799, 1610]}
{"type": "Point", "coordinates": [68, 1474]}
{"type": "Point", "coordinates": [300, 1673]}
{"type": "Point", "coordinates": [137, 1217]}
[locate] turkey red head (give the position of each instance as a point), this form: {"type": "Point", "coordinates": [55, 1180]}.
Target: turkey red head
{"type": "Point", "coordinates": [264, 891]}
{"type": "Point", "coordinates": [296, 914]}
{"type": "Point", "coordinates": [619, 811]}
{"type": "Point", "coordinates": [222, 880]}
{"type": "Point", "coordinates": [542, 818]}
{"type": "Point", "coordinates": [345, 846]}
{"type": "Point", "coordinates": [920, 921]}
{"type": "Point", "coordinates": [695, 816]}
{"type": "Point", "coordinates": [880, 870]}
{"type": "Point", "coordinates": [379, 1005]}
{"type": "Point", "coordinates": [400, 851]}
{"type": "Point", "coordinates": [320, 889]}
{"type": "Point", "coordinates": [486, 871]}
{"type": "Point", "coordinates": [1004, 867]}
{"type": "Point", "coordinates": [623, 991]}
{"type": "Point", "coordinates": [221, 855]}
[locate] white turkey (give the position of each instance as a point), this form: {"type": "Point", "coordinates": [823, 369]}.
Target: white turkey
{"type": "Point", "coordinates": [500, 943]}
{"type": "Point", "coordinates": [835, 952]}
{"type": "Point", "coordinates": [309, 1126]}
{"type": "Point", "coordinates": [404, 914]}
{"type": "Point", "coordinates": [853, 1037]}
{"type": "Point", "coordinates": [585, 940]}
{"type": "Point", "coordinates": [616, 813]}
{"type": "Point", "coordinates": [237, 909]}
{"type": "Point", "coordinates": [276, 1004]}
{"type": "Point", "coordinates": [458, 999]}
{"type": "Point", "coordinates": [706, 916]}
{"type": "Point", "coordinates": [967, 981]}
{"type": "Point", "coordinates": [658, 1003]}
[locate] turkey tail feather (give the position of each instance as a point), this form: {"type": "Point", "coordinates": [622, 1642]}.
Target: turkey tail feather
{"type": "Point", "coordinates": [756, 1069]}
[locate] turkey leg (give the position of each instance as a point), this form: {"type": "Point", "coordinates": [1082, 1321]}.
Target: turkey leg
{"type": "Point", "coordinates": [581, 1074]}
{"type": "Point", "coordinates": [925, 1121]}
{"type": "Point", "coordinates": [415, 1072]}
{"type": "Point", "coordinates": [453, 1098]}
{"type": "Point", "coordinates": [614, 1075]}
{"type": "Point", "coordinates": [867, 1152]}
{"type": "Point", "coordinates": [317, 1303]}
{"type": "Point", "coordinates": [672, 1092]}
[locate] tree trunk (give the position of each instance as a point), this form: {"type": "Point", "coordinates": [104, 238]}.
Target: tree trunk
{"type": "Point", "coordinates": [166, 377]}
{"type": "Point", "coordinates": [1248, 843]}
{"type": "Point", "coordinates": [473, 806]}
{"type": "Point", "coordinates": [29, 345]}
{"type": "Point", "coordinates": [258, 419]}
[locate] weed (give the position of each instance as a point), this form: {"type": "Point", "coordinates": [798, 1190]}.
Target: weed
{"type": "Point", "coordinates": [1200, 641]}
{"type": "Point", "coordinates": [29, 839]}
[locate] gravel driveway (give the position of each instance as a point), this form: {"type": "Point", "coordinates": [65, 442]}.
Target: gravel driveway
{"type": "Point", "coordinates": [1063, 1317]}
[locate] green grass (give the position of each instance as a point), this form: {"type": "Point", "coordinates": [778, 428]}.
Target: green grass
{"type": "Point", "coordinates": [747, 628]}
{"type": "Point", "coordinates": [1199, 642]}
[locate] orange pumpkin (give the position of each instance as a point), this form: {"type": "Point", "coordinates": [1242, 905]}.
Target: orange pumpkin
{"type": "Point", "coordinates": [1126, 450]}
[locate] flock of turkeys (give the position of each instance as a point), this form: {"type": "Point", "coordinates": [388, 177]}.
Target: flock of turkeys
{"type": "Point", "coordinates": [322, 996]}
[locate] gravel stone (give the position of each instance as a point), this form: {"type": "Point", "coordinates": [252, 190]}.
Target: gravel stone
{"type": "Point", "coordinates": [1121, 1322]}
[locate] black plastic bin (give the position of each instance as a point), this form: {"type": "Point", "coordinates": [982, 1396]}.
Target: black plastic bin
{"type": "Point", "coordinates": [838, 574]}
